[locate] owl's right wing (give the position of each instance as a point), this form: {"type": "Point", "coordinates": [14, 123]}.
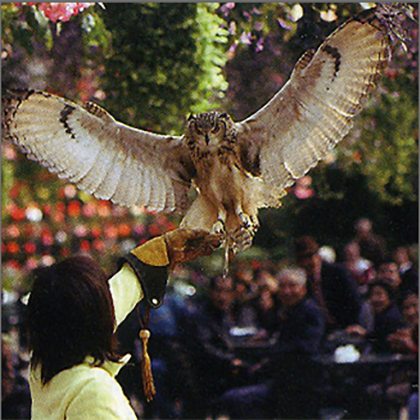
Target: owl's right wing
{"type": "Point", "coordinates": [102, 156]}
{"type": "Point", "coordinates": [315, 109]}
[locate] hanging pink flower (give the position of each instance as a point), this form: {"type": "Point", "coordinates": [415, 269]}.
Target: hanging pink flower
{"type": "Point", "coordinates": [61, 11]}
{"type": "Point", "coordinates": [303, 188]}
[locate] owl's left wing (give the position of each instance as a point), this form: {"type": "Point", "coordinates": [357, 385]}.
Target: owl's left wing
{"type": "Point", "coordinates": [315, 108]}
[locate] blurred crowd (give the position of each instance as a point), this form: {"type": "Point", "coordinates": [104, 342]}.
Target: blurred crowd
{"type": "Point", "coordinates": [253, 344]}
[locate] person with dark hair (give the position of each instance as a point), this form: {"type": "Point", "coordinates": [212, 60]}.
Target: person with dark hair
{"type": "Point", "coordinates": [329, 284]}
{"type": "Point", "coordinates": [73, 312]}
{"type": "Point", "coordinates": [388, 273]}
{"type": "Point", "coordinates": [387, 318]}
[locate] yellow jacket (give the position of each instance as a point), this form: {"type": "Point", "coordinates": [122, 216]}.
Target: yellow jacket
{"type": "Point", "coordinates": [86, 392]}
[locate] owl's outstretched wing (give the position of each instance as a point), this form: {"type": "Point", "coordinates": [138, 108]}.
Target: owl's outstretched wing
{"type": "Point", "coordinates": [103, 157]}
{"type": "Point", "coordinates": [316, 107]}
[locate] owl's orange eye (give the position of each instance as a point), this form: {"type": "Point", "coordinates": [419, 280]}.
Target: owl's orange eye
{"type": "Point", "coordinates": [216, 129]}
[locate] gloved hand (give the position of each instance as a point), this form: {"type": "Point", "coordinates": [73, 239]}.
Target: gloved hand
{"type": "Point", "coordinates": [184, 245]}
{"type": "Point", "coordinates": [178, 246]}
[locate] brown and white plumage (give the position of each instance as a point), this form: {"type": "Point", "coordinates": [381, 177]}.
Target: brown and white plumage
{"type": "Point", "coordinates": [236, 168]}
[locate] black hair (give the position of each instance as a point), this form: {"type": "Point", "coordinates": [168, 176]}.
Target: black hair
{"type": "Point", "coordinates": [70, 316]}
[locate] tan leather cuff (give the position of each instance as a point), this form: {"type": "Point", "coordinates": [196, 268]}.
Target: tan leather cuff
{"type": "Point", "coordinates": [153, 252]}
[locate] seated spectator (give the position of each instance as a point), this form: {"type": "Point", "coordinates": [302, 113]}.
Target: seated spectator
{"type": "Point", "coordinates": [388, 273]}
{"type": "Point", "coordinates": [291, 380]}
{"type": "Point", "coordinates": [301, 324]}
{"type": "Point", "coordinates": [405, 340]}
{"type": "Point", "coordinates": [401, 384]}
{"type": "Point", "coordinates": [330, 285]}
{"type": "Point", "coordinates": [387, 318]}
{"type": "Point", "coordinates": [407, 270]}
{"type": "Point", "coordinates": [360, 268]}
{"type": "Point", "coordinates": [372, 246]}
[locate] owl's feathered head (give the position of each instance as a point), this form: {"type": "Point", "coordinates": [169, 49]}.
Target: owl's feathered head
{"type": "Point", "coordinates": [208, 130]}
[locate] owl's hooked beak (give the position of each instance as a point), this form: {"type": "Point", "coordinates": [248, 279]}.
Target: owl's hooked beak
{"type": "Point", "coordinates": [207, 139]}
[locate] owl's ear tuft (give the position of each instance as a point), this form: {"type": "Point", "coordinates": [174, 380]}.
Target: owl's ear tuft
{"type": "Point", "coordinates": [191, 117]}
{"type": "Point", "coordinates": [224, 115]}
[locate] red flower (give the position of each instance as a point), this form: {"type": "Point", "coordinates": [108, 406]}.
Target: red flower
{"type": "Point", "coordinates": [61, 207]}
{"type": "Point", "coordinates": [13, 247]}
{"type": "Point", "coordinates": [104, 208]}
{"type": "Point", "coordinates": [96, 231]}
{"type": "Point", "coordinates": [47, 237]}
{"type": "Point", "coordinates": [124, 229]}
{"type": "Point", "coordinates": [89, 209]}
{"type": "Point", "coordinates": [111, 232]}
{"type": "Point", "coordinates": [85, 245]}
{"type": "Point", "coordinates": [46, 209]}
{"type": "Point", "coordinates": [74, 208]}
{"type": "Point", "coordinates": [17, 213]}
{"type": "Point", "coordinates": [13, 231]}
{"type": "Point", "coordinates": [29, 247]}
{"type": "Point", "coordinates": [13, 264]}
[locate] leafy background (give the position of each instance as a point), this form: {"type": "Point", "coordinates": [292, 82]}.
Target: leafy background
{"type": "Point", "coordinates": [150, 65]}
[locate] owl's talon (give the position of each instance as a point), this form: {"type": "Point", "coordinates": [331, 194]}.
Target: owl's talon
{"type": "Point", "coordinates": [245, 220]}
{"type": "Point", "coordinates": [219, 228]}
{"type": "Point", "coordinates": [241, 238]}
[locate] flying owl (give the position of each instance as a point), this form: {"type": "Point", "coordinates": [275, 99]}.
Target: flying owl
{"type": "Point", "coordinates": [235, 167]}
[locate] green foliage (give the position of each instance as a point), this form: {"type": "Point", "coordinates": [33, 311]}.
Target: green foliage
{"type": "Point", "coordinates": [24, 32]}
{"type": "Point", "coordinates": [388, 144]}
{"type": "Point", "coordinates": [166, 61]}
{"type": "Point", "coordinates": [210, 57]}
{"type": "Point", "coordinates": [95, 34]}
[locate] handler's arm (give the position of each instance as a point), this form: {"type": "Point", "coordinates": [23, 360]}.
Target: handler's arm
{"type": "Point", "coordinates": [126, 292]}
{"type": "Point", "coordinates": [145, 272]}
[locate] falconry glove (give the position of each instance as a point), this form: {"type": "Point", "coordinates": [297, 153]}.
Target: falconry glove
{"type": "Point", "coordinates": [152, 260]}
